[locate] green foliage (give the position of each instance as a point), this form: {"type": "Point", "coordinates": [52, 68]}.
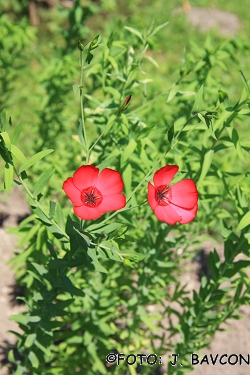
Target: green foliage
{"type": "Point", "coordinates": [91, 287]}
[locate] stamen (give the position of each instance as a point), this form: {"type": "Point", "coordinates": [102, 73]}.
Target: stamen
{"type": "Point", "coordinates": [163, 195]}
{"type": "Point", "coordinates": [91, 197]}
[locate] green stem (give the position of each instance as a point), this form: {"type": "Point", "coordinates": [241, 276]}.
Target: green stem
{"type": "Point", "coordinates": [82, 108]}
{"type": "Point", "coordinates": [108, 126]}
{"type": "Point", "coordinates": [119, 211]}
{"type": "Point", "coordinates": [147, 104]}
{"type": "Point", "coordinates": [37, 204]}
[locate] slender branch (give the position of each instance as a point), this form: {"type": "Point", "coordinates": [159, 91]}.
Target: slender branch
{"type": "Point", "coordinates": [82, 108]}
{"type": "Point", "coordinates": [108, 126]}
{"type": "Point", "coordinates": [37, 204]}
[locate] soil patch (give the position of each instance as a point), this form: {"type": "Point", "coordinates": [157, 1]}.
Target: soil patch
{"type": "Point", "coordinates": [205, 19]}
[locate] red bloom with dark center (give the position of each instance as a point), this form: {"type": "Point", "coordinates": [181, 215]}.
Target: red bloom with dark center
{"type": "Point", "coordinates": [172, 204]}
{"type": "Point", "coordinates": [93, 194]}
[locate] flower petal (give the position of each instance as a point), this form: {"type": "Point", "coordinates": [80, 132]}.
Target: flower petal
{"type": "Point", "coordinates": [167, 214]}
{"type": "Point", "coordinates": [151, 196]}
{"type": "Point", "coordinates": [184, 194]}
{"type": "Point", "coordinates": [72, 192]}
{"type": "Point", "coordinates": [165, 175]}
{"type": "Point", "coordinates": [112, 203]}
{"type": "Point", "coordinates": [186, 215]}
{"type": "Point", "coordinates": [87, 213]}
{"type": "Point", "coordinates": [85, 176]}
{"type": "Point", "coordinates": [109, 182]}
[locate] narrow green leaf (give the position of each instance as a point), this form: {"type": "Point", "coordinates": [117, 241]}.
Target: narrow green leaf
{"type": "Point", "coordinates": [245, 82]}
{"type": "Point", "coordinates": [18, 154]}
{"type": "Point", "coordinates": [59, 216]}
{"type": "Point", "coordinates": [111, 248]}
{"type": "Point", "coordinates": [171, 134]}
{"type": "Point", "coordinates": [16, 133]}
{"type": "Point", "coordinates": [40, 269]}
{"type": "Point", "coordinates": [129, 149]}
{"type": "Point", "coordinates": [45, 350]}
{"type": "Point", "coordinates": [113, 63]}
{"type": "Point", "coordinates": [150, 59]}
{"type": "Point", "coordinates": [132, 255]}
{"type": "Point", "coordinates": [85, 237]}
{"type": "Point", "coordinates": [206, 165]}
{"type": "Point", "coordinates": [20, 318]}
{"type": "Point", "coordinates": [30, 340]}
{"type": "Point", "coordinates": [99, 267]}
{"type": "Point", "coordinates": [33, 359]}
{"type": "Point", "coordinates": [34, 319]}
{"type": "Point", "coordinates": [239, 151]}
{"type": "Point", "coordinates": [162, 264]}
{"type": "Point", "coordinates": [41, 215]}
{"type": "Point", "coordinates": [203, 281]}
{"type": "Point", "coordinates": [58, 232]}
{"type": "Point", "coordinates": [34, 159]}
{"type": "Point", "coordinates": [147, 319]}
{"type": "Point", "coordinates": [158, 28]}
{"type": "Point", "coordinates": [52, 207]}
{"type": "Point", "coordinates": [11, 356]}
{"type": "Point", "coordinates": [238, 291]}
{"type": "Point", "coordinates": [95, 261]}
{"type": "Point", "coordinates": [134, 31]}
{"type": "Point", "coordinates": [198, 104]}
{"type": "Point", "coordinates": [127, 176]}
{"type": "Point", "coordinates": [70, 288]}
{"type": "Point", "coordinates": [43, 181]}
{"type": "Point", "coordinates": [106, 229]}
{"type": "Point", "coordinates": [98, 366]}
{"type": "Point", "coordinates": [244, 222]}
{"type": "Point", "coordinates": [109, 124]}
{"type": "Point", "coordinates": [2, 121]}
{"type": "Point", "coordinates": [64, 304]}
{"type": "Point", "coordinates": [172, 93]}
{"type": "Point", "coordinates": [8, 177]}
{"type": "Point", "coordinates": [75, 88]}
{"type": "Point", "coordinates": [21, 370]}
{"type": "Point", "coordinates": [58, 263]}
{"type": "Point", "coordinates": [236, 267]}
{"type": "Point", "coordinates": [106, 163]}
{"type": "Point", "coordinates": [6, 139]}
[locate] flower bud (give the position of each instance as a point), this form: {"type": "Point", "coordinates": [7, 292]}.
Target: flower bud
{"type": "Point", "coordinates": [124, 104]}
{"type": "Point", "coordinates": [80, 46]}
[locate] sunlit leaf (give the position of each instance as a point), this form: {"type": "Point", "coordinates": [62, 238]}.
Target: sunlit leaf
{"type": "Point", "coordinates": [33, 359]}
{"type": "Point", "coordinates": [43, 181]}
{"type": "Point", "coordinates": [34, 159]}
{"type": "Point", "coordinates": [198, 104]}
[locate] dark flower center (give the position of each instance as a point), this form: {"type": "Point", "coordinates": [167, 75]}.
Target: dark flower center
{"type": "Point", "coordinates": [91, 197]}
{"type": "Point", "coordinates": [163, 195]}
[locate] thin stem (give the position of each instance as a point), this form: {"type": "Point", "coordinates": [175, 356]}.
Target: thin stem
{"type": "Point", "coordinates": [108, 126]}
{"type": "Point", "coordinates": [148, 174]}
{"type": "Point", "coordinates": [37, 204]}
{"type": "Point", "coordinates": [149, 102]}
{"type": "Point", "coordinates": [121, 210]}
{"type": "Point", "coordinates": [82, 108]}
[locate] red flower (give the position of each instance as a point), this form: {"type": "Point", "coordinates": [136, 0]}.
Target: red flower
{"type": "Point", "coordinates": [93, 194]}
{"type": "Point", "coordinates": [177, 203]}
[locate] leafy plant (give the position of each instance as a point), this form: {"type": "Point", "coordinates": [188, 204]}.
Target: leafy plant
{"type": "Point", "coordinates": [94, 288]}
